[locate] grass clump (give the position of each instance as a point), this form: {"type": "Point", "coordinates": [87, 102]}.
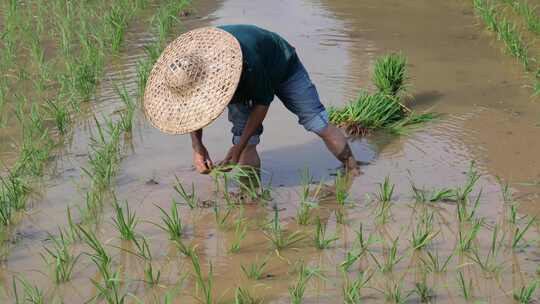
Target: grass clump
{"type": "Point", "coordinates": [352, 287]}
{"type": "Point", "coordinates": [309, 199]}
{"type": "Point", "coordinates": [255, 270]}
{"type": "Point", "coordinates": [319, 238]}
{"type": "Point", "coordinates": [278, 237]}
{"type": "Point", "coordinates": [383, 109]}
{"type": "Point", "coordinates": [203, 285]}
{"type": "Point", "coordinates": [172, 223]}
{"type": "Point", "coordinates": [60, 258]}
{"type": "Point", "coordinates": [124, 221]}
{"type": "Point", "coordinates": [525, 295]}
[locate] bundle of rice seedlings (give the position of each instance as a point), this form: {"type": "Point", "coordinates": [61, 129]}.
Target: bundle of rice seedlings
{"type": "Point", "coordinates": [390, 74]}
{"type": "Point", "coordinates": [369, 112]}
{"type": "Point", "coordinates": [383, 109]}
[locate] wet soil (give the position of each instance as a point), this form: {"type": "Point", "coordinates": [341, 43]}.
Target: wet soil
{"type": "Point", "coordinates": [456, 69]}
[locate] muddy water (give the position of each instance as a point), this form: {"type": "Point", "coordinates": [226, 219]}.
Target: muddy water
{"type": "Point", "coordinates": [455, 69]}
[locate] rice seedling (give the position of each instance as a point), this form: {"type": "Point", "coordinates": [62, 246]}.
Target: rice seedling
{"type": "Point", "coordinates": [390, 74]}
{"type": "Point", "coordinates": [100, 255]}
{"type": "Point", "coordinates": [351, 289]}
{"type": "Point", "coordinates": [184, 249]}
{"type": "Point", "coordinates": [489, 263]}
{"type": "Point", "coordinates": [59, 258]}
{"type": "Point", "coordinates": [242, 296]}
{"type": "Point", "coordinates": [249, 180]}
{"type": "Point", "coordinates": [465, 214]}
{"type": "Point", "coordinates": [393, 293]}
{"type": "Point", "coordinates": [391, 257]}
{"type": "Point", "coordinates": [116, 23]}
{"type": "Point", "coordinates": [221, 217]}
{"type": "Point", "coordinates": [467, 238]}
{"type": "Point", "coordinates": [436, 195]}
{"type": "Point", "coordinates": [424, 292]}
{"type": "Point", "coordinates": [515, 44]}
{"type": "Point", "coordinates": [104, 156]}
{"type": "Point", "coordinates": [297, 290]}
{"type": "Point", "coordinates": [518, 233]}
{"type": "Point", "coordinates": [32, 294]}
{"type": "Point", "coordinates": [166, 17]}
{"type": "Point", "coordinates": [507, 31]}
{"type": "Point", "coordinates": [91, 211]}
{"type": "Point", "coordinates": [204, 285]}
{"type": "Point", "coordinates": [303, 213]}
{"type": "Point", "coordinates": [277, 235]}
{"type": "Point", "coordinates": [59, 114]}
{"type": "Point", "coordinates": [239, 235]}
{"type": "Point", "coordinates": [386, 191]}
{"type": "Point", "coordinates": [189, 198]}
{"type": "Point", "coordinates": [462, 193]}
{"type": "Point", "coordinates": [14, 192]}
{"type": "Point", "coordinates": [109, 291]}
{"type": "Point", "coordinates": [465, 287]}
{"type": "Point", "coordinates": [309, 199]}
{"type": "Point", "coordinates": [124, 222]}
{"type": "Point", "coordinates": [172, 222]}
{"type": "Point", "coordinates": [142, 248]}
{"type": "Point", "coordinates": [525, 294]}
{"type": "Point", "coordinates": [126, 116]}
{"type": "Point", "coordinates": [340, 215]}
{"type": "Point", "coordinates": [143, 72]}
{"type": "Point", "coordinates": [361, 239]}
{"type": "Point", "coordinates": [150, 277]}
{"type": "Point", "coordinates": [528, 14]}
{"type": "Point", "coordinates": [255, 270]}
{"type": "Point", "coordinates": [319, 238]}
{"type": "Point", "coordinates": [350, 258]}
{"type": "Point", "coordinates": [423, 234]}
{"type": "Point", "coordinates": [72, 232]}
{"type": "Point", "coordinates": [506, 193]}
{"type": "Point", "coordinates": [434, 264]}
{"type": "Point", "coordinates": [342, 188]}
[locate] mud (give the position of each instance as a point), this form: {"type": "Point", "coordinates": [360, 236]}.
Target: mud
{"type": "Point", "coordinates": [455, 68]}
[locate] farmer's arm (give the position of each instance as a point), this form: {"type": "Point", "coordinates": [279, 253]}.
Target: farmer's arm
{"type": "Point", "coordinates": [256, 117]}
{"type": "Point", "coordinates": [201, 158]}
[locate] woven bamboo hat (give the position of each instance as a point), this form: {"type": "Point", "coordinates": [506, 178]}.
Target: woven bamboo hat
{"type": "Point", "coordinates": [193, 80]}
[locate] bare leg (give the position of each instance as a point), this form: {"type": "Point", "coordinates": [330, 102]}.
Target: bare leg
{"type": "Point", "coordinates": [250, 157]}
{"type": "Point", "coordinates": [337, 144]}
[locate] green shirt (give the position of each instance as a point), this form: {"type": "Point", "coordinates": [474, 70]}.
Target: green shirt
{"type": "Point", "coordinates": [268, 60]}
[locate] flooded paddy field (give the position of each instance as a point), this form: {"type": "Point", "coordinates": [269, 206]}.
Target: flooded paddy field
{"type": "Point", "coordinates": [390, 246]}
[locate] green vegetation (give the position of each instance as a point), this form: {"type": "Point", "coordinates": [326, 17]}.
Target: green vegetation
{"type": "Point", "coordinates": [383, 109]}
{"type": "Point", "coordinates": [124, 222]}
{"type": "Point", "coordinates": [525, 294]}
{"type": "Point", "coordinates": [277, 236]}
{"type": "Point", "coordinates": [319, 238]}
{"type": "Point", "coordinates": [255, 270]}
{"type": "Point", "coordinates": [172, 223]}
{"type": "Point", "coordinates": [204, 285]}
{"type": "Point", "coordinates": [465, 286]}
{"type": "Point", "coordinates": [309, 199]}
{"type": "Point", "coordinates": [59, 258]}
{"type": "Point", "coordinates": [352, 288]}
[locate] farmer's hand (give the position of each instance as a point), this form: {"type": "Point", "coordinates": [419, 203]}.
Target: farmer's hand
{"type": "Point", "coordinates": [232, 156]}
{"type": "Point", "coordinates": [201, 160]}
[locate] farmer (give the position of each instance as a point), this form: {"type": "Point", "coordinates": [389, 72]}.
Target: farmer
{"type": "Point", "coordinates": [240, 67]}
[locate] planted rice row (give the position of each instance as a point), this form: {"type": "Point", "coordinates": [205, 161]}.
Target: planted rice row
{"type": "Point", "coordinates": [113, 289]}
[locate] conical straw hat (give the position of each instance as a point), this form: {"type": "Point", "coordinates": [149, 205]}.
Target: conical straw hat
{"type": "Point", "coordinates": [193, 80]}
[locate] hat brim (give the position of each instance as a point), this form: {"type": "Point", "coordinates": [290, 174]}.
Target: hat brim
{"type": "Point", "coordinates": [196, 106]}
